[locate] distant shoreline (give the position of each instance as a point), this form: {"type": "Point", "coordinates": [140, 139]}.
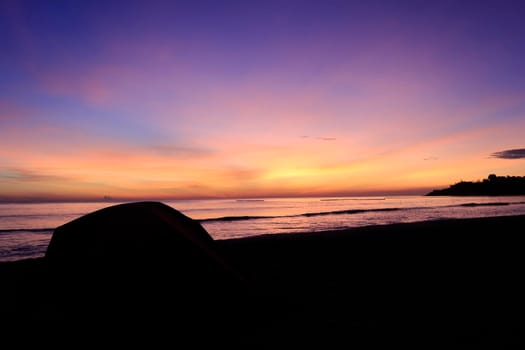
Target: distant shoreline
{"type": "Point", "coordinates": [491, 186]}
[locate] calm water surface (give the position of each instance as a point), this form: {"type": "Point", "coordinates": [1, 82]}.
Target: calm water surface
{"type": "Point", "coordinates": [25, 229]}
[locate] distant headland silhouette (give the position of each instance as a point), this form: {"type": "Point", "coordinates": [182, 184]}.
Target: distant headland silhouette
{"type": "Point", "coordinates": [491, 186]}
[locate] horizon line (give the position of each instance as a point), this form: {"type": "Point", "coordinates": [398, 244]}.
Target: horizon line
{"type": "Point", "coordinates": [117, 199]}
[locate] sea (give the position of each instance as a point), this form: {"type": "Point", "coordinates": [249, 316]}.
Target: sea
{"type": "Point", "coordinates": [26, 228]}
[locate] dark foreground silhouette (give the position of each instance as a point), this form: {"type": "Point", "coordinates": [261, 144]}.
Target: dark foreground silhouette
{"type": "Point", "coordinates": [491, 186]}
{"type": "Point", "coordinates": [158, 274]}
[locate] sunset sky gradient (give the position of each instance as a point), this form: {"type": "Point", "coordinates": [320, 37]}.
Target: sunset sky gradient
{"type": "Point", "coordinates": [184, 99]}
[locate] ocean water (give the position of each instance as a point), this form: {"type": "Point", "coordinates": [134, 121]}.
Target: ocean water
{"type": "Point", "coordinates": [25, 229]}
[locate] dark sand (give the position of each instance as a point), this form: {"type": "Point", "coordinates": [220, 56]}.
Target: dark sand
{"type": "Point", "coordinates": [442, 283]}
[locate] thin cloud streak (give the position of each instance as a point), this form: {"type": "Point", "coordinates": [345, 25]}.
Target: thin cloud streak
{"type": "Point", "coordinates": [25, 175]}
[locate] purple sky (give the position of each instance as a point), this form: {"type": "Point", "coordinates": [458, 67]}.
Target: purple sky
{"type": "Point", "coordinates": [138, 99]}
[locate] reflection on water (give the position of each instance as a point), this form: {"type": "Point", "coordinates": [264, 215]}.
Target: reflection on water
{"type": "Point", "coordinates": [23, 244]}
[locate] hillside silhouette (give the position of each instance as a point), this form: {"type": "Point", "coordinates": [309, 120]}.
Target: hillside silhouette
{"type": "Point", "coordinates": [491, 186]}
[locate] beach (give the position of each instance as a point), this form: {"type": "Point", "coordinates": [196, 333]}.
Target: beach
{"type": "Point", "coordinates": [434, 283]}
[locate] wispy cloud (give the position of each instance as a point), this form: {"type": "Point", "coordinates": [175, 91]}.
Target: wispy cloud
{"type": "Point", "coordinates": [510, 154]}
{"type": "Point", "coordinates": [28, 175]}
{"type": "Point", "coordinates": [180, 151]}
{"type": "Point", "coordinates": [323, 138]}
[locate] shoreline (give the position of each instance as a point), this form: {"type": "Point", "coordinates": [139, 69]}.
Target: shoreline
{"type": "Point", "coordinates": [379, 227]}
{"type": "Point", "coordinates": [446, 282]}
{"type": "Point", "coordinates": [351, 231]}
{"type": "Point", "coordinates": [443, 282]}
{"type": "Point", "coordinates": [322, 233]}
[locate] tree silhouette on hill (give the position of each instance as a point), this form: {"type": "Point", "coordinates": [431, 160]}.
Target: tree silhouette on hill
{"type": "Point", "coordinates": [493, 185]}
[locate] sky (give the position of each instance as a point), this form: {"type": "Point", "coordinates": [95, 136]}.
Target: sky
{"type": "Point", "coordinates": [237, 99]}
